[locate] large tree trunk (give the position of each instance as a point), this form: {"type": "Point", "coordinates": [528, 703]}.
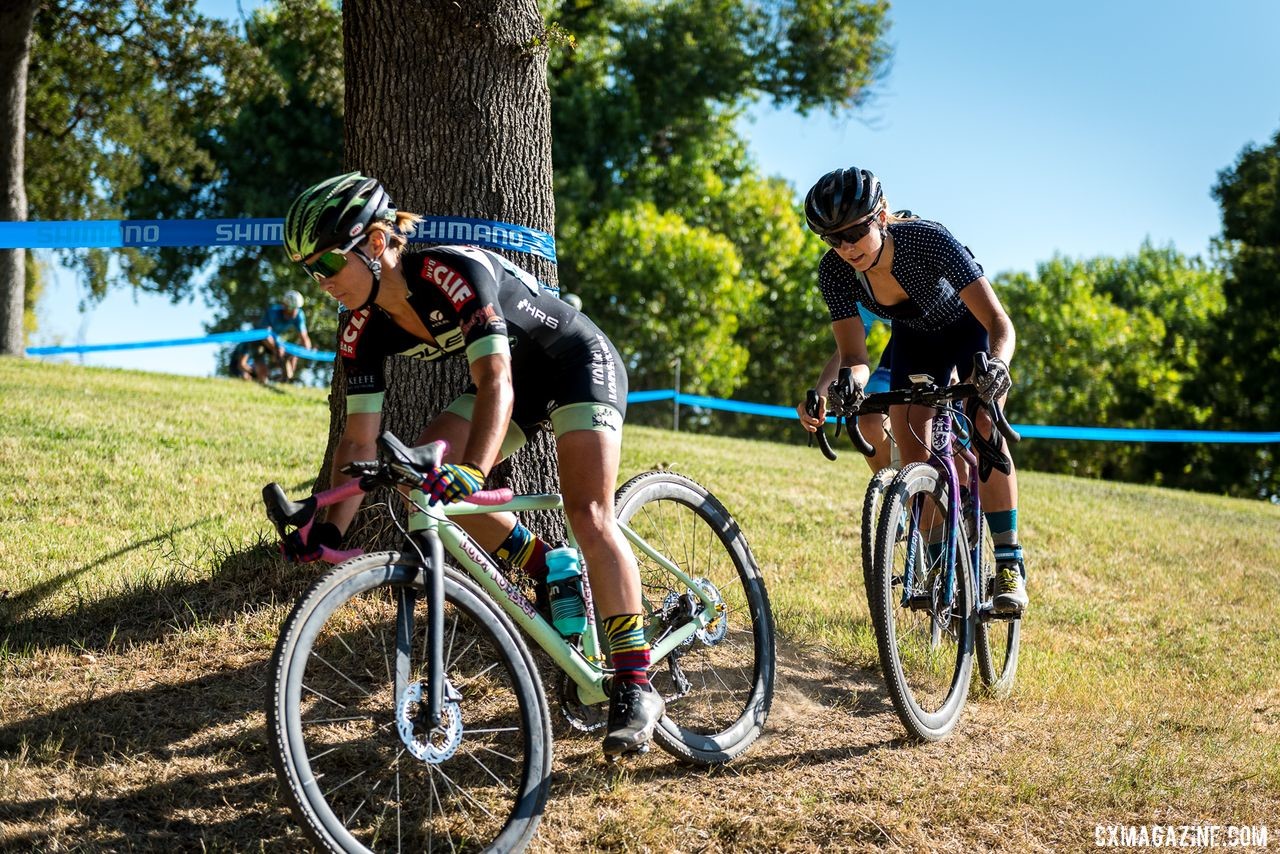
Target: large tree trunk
{"type": "Point", "coordinates": [16, 20]}
{"type": "Point", "coordinates": [447, 104]}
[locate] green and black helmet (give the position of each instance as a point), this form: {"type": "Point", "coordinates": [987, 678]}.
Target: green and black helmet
{"type": "Point", "coordinates": [333, 213]}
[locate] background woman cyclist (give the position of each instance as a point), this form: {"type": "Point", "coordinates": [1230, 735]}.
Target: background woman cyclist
{"type": "Point", "coordinates": [531, 356]}
{"type": "Point", "coordinates": [943, 310]}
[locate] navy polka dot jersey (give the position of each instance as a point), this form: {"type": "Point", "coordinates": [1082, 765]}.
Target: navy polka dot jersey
{"type": "Point", "coordinates": [930, 264]}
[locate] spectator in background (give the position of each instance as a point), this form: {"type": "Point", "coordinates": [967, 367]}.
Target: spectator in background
{"type": "Point", "coordinates": [248, 361]}
{"type": "Point", "coordinates": [287, 320]}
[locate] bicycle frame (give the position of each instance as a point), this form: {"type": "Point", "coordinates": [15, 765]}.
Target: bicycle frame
{"type": "Point", "coordinates": [941, 457]}
{"type": "Point", "coordinates": [942, 454]}
{"type": "Point", "coordinates": [442, 534]}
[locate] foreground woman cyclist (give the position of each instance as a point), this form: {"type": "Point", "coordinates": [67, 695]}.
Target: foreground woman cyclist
{"type": "Point", "coordinates": [943, 310]}
{"type": "Point", "coordinates": [531, 355]}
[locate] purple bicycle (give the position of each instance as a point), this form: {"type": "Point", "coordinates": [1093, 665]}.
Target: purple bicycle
{"type": "Point", "coordinates": [928, 559]}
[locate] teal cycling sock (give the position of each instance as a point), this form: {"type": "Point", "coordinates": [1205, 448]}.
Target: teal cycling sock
{"type": "Point", "coordinates": [1003, 525]}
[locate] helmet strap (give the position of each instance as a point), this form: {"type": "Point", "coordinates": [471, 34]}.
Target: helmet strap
{"type": "Point", "coordinates": [375, 268]}
{"type": "Point", "coordinates": [884, 235]}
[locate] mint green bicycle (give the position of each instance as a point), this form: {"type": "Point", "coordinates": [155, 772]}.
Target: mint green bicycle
{"type": "Point", "coordinates": [405, 710]}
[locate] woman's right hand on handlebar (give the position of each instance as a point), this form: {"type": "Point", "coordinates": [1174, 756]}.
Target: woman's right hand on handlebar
{"type": "Point", "coordinates": [321, 535]}
{"type": "Point", "coordinates": [810, 422]}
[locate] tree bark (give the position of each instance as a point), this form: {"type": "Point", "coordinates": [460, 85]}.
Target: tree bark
{"type": "Point", "coordinates": [17, 20]}
{"type": "Point", "coordinates": [447, 104]}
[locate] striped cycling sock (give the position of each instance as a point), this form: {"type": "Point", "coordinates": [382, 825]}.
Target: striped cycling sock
{"type": "Point", "coordinates": [629, 649]}
{"type": "Point", "coordinates": [525, 550]}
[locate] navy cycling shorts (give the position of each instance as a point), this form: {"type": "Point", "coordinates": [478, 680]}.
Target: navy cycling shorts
{"type": "Point", "coordinates": [936, 353]}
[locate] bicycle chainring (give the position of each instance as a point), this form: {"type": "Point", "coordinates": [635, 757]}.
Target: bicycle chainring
{"type": "Point", "coordinates": [580, 716]}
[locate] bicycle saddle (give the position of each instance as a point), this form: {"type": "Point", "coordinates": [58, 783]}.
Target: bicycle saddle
{"type": "Point", "coordinates": [423, 458]}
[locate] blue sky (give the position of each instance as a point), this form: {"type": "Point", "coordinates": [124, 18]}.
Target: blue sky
{"type": "Point", "coordinates": [1028, 129]}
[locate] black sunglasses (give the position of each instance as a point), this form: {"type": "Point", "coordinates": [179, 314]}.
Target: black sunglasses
{"type": "Point", "coordinates": [852, 234]}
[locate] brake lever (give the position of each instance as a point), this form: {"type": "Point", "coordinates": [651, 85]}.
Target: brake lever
{"type": "Point", "coordinates": [361, 468]}
{"type": "Point", "coordinates": [811, 406]}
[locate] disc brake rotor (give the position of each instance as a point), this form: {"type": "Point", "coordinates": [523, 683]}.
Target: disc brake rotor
{"type": "Point", "coordinates": [441, 742]}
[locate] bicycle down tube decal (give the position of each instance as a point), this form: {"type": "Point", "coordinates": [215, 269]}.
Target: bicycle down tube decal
{"type": "Point", "coordinates": [504, 584]}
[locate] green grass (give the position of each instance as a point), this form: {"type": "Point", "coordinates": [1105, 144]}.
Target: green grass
{"type": "Point", "coordinates": [140, 598]}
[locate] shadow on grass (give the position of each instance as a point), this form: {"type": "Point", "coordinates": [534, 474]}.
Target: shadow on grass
{"type": "Point", "coordinates": [159, 606]}
{"type": "Point", "coordinates": [160, 781]}
{"type": "Point", "coordinates": [812, 694]}
{"type": "Point", "coordinates": [37, 593]}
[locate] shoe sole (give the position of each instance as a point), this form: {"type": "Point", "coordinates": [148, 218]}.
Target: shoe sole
{"type": "Point", "coordinates": [638, 750]}
{"type": "Point", "coordinates": [1006, 608]}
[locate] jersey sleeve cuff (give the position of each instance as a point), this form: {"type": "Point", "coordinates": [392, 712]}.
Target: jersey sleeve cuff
{"type": "Point", "coordinates": [488, 346]}
{"type": "Point", "coordinates": [364, 404]}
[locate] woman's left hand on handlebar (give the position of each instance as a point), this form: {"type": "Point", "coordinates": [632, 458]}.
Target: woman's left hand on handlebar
{"type": "Point", "coordinates": [450, 483]}
{"type": "Point", "coordinates": [993, 383]}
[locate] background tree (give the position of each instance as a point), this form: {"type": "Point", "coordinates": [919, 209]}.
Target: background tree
{"type": "Point", "coordinates": [463, 130]}
{"type": "Point", "coordinates": [15, 50]}
{"type": "Point", "coordinates": [117, 92]}
{"type": "Point", "coordinates": [1114, 343]}
{"type": "Point", "coordinates": [286, 134]}
{"type": "Point", "coordinates": [647, 109]}
{"type": "Point", "coordinates": [1243, 377]}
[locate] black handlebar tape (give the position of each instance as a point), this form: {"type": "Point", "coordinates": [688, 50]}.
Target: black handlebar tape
{"type": "Point", "coordinates": [811, 407]}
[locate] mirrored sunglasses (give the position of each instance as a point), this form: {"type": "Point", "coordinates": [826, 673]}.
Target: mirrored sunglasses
{"type": "Point", "coordinates": [331, 262]}
{"type": "Point", "coordinates": [852, 234]}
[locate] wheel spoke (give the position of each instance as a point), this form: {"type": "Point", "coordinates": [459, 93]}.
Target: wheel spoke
{"type": "Point", "coordinates": [461, 795]}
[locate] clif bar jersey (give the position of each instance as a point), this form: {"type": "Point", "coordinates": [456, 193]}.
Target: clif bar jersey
{"type": "Point", "coordinates": [477, 301]}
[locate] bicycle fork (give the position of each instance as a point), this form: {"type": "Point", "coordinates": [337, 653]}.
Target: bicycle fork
{"type": "Point", "coordinates": [431, 711]}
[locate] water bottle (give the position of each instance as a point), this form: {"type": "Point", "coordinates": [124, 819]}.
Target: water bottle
{"type": "Point", "coordinates": [564, 589]}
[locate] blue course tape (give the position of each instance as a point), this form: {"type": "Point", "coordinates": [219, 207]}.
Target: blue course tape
{"type": "Point", "coordinates": [117, 234]}
{"type": "Point", "coordinates": [1029, 431]}
{"type": "Point", "coordinates": [483, 232]}
{"type": "Point", "coordinates": [303, 353]}
{"type": "Point", "coordinates": [649, 396]}
{"type": "Point", "coordinates": [216, 338]}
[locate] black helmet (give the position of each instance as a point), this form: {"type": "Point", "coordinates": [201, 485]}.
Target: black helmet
{"type": "Point", "coordinates": [333, 213]}
{"type": "Point", "coordinates": [841, 198]}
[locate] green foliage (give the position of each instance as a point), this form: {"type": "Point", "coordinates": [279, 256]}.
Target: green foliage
{"type": "Point", "coordinates": [117, 93]}
{"type": "Point", "coordinates": [634, 285]}
{"type": "Point", "coordinates": [1114, 343]}
{"type": "Point", "coordinates": [645, 112]}
{"type": "Point", "coordinates": [285, 135]}
{"type": "Point", "coordinates": [1244, 382]}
